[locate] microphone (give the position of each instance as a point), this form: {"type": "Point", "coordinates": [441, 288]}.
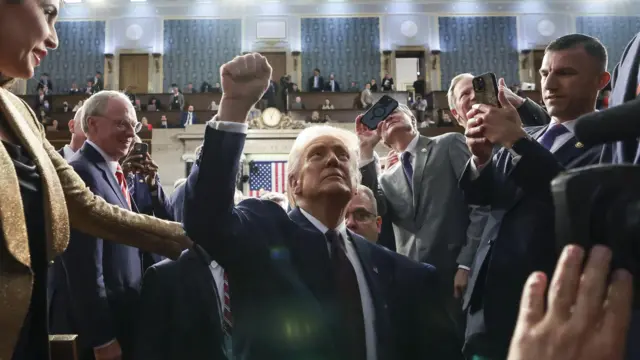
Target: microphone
{"type": "Point", "coordinates": [618, 123]}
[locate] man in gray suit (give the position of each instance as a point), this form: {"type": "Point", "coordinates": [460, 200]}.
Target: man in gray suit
{"type": "Point", "coordinates": [431, 220]}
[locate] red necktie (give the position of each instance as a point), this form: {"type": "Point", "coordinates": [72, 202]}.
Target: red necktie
{"type": "Point", "coordinates": [123, 185]}
{"type": "Point", "coordinates": [228, 320]}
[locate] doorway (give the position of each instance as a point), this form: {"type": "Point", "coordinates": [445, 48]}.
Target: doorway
{"type": "Point", "coordinates": [537, 64]}
{"type": "Point", "coordinates": [134, 73]}
{"type": "Point", "coordinates": [409, 65]}
{"type": "Point", "coordinates": [278, 62]}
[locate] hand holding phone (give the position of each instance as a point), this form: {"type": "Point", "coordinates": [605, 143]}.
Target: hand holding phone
{"type": "Point", "coordinates": [379, 111]}
{"type": "Point", "coordinates": [485, 87]}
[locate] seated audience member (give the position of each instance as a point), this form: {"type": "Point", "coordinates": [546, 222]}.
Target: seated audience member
{"type": "Point", "coordinates": [188, 118]}
{"type": "Point", "coordinates": [374, 85]}
{"type": "Point", "coordinates": [73, 90]}
{"type": "Point", "coordinates": [213, 106]}
{"type": "Point", "coordinates": [275, 197]}
{"type": "Point", "coordinates": [298, 105]}
{"type": "Point", "coordinates": [189, 89]}
{"type": "Point", "coordinates": [164, 123]}
{"type": "Point", "coordinates": [278, 263]}
{"type": "Point", "coordinates": [206, 87]}
{"type": "Point", "coordinates": [154, 103]}
{"type": "Point", "coordinates": [145, 124]}
{"type": "Point", "coordinates": [89, 89]}
{"type": "Point", "coordinates": [332, 85]}
{"type": "Point", "coordinates": [327, 105]}
{"type": "Point", "coordinates": [362, 214]}
{"type": "Point", "coordinates": [78, 106]}
{"type": "Point", "coordinates": [366, 98]}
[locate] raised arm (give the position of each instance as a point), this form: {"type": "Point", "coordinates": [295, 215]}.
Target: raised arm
{"type": "Point", "coordinates": [209, 214]}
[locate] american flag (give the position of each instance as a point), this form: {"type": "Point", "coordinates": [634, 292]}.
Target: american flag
{"type": "Point", "coordinates": [267, 176]}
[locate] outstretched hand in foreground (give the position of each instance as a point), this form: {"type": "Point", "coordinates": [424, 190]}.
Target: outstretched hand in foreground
{"type": "Point", "coordinates": [587, 316]}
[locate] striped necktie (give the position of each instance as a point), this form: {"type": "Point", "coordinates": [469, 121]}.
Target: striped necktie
{"type": "Point", "coordinates": [123, 185]}
{"type": "Point", "coordinates": [226, 311]}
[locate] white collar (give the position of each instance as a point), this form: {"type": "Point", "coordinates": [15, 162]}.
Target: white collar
{"type": "Point", "coordinates": [570, 125]}
{"type": "Point", "coordinates": [413, 144]}
{"type": "Point", "coordinates": [342, 227]}
{"type": "Point", "coordinates": [113, 165]}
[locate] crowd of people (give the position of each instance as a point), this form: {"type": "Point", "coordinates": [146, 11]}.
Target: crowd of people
{"type": "Point", "coordinates": [445, 252]}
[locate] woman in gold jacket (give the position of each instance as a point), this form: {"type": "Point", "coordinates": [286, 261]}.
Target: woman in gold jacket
{"type": "Point", "coordinates": [41, 196]}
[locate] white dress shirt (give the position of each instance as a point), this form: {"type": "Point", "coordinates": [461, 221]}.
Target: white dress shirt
{"type": "Point", "coordinates": [67, 152]}
{"type": "Point", "coordinates": [218, 276]}
{"type": "Point", "coordinates": [113, 165]}
{"type": "Point", "coordinates": [189, 119]}
{"type": "Point", "coordinates": [352, 255]}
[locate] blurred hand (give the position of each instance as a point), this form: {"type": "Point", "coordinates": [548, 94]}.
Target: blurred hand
{"type": "Point", "coordinates": [244, 80]}
{"type": "Point", "coordinates": [368, 138]}
{"type": "Point", "coordinates": [460, 283]}
{"type": "Point", "coordinates": [150, 172]}
{"type": "Point", "coordinates": [132, 164]}
{"type": "Point", "coordinates": [109, 352]}
{"type": "Point", "coordinates": [586, 317]}
{"type": "Point", "coordinates": [511, 97]}
{"type": "Point", "coordinates": [498, 125]}
{"type": "Point", "coordinates": [392, 158]}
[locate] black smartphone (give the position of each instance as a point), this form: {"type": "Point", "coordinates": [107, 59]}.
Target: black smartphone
{"type": "Point", "coordinates": [379, 111]}
{"type": "Point", "coordinates": [600, 204]}
{"type": "Point", "coordinates": [485, 87]}
{"type": "Point", "coordinates": [140, 149]}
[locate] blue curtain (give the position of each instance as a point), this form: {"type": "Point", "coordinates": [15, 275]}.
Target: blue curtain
{"type": "Point", "coordinates": [347, 47]}
{"type": "Point", "coordinates": [613, 31]}
{"type": "Point", "coordinates": [478, 45]}
{"type": "Point", "coordinates": [79, 55]}
{"type": "Point", "coordinates": [194, 50]}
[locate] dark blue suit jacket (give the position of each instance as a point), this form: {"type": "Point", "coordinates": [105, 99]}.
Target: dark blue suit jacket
{"type": "Point", "coordinates": [144, 203]}
{"type": "Point", "coordinates": [97, 282]}
{"type": "Point", "coordinates": [283, 296]}
{"type": "Point", "coordinates": [183, 119]}
{"type": "Point", "coordinates": [179, 317]}
{"type": "Point", "coordinates": [521, 205]}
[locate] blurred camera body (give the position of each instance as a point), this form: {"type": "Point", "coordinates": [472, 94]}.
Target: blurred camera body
{"type": "Point", "coordinates": [600, 204]}
{"type": "Point", "coordinates": [485, 87]}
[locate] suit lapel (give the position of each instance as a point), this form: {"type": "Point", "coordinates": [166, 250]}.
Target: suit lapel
{"type": "Point", "coordinates": [204, 287]}
{"type": "Point", "coordinates": [569, 151]}
{"type": "Point", "coordinates": [310, 255]}
{"type": "Point", "coordinates": [536, 134]}
{"type": "Point", "coordinates": [378, 280]}
{"type": "Point", "coordinates": [423, 149]}
{"type": "Point", "coordinates": [22, 122]}
{"type": "Point", "coordinates": [96, 158]}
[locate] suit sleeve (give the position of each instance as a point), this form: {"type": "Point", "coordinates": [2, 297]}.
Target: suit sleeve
{"type": "Point", "coordinates": [477, 188]}
{"type": "Point", "coordinates": [162, 207]}
{"type": "Point", "coordinates": [460, 156]}
{"type": "Point", "coordinates": [90, 214]}
{"type": "Point", "coordinates": [532, 114]}
{"type": "Point", "coordinates": [369, 174]}
{"type": "Point", "coordinates": [536, 167]}
{"type": "Point", "coordinates": [153, 331]}
{"type": "Point", "coordinates": [209, 214]}
{"type": "Point", "coordinates": [83, 261]}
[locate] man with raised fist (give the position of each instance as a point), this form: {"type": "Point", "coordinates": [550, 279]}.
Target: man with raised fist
{"type": "Point", "coordinates": [303, 285]}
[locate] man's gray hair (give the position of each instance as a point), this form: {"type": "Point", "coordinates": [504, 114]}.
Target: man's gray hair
{"type": "Point", "coordinates": [366, 192]}
{"type": "Point", "coordinates": [306, 136]}
{"type": "Point", "coordinates": [273, 196]}
{"type": "Point", "coordinates": [78, 118]}
{"type": "Point", "coordinates": [97, 104]}
{"type": "Point", "coordinates": [451, 96]}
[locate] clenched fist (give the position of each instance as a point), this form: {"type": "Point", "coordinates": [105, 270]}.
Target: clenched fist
{"type": "Point", "coordinates": [244, 80]}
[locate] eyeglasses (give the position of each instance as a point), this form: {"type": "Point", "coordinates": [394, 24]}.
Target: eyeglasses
{"type": "Point", "coordinates": [361, 215]}
{"type": "Point", "coordinates": [124, 124]}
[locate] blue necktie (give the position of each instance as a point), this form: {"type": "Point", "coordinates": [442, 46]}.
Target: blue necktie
{"type": "Point", "coordinates": [408, 168]}
{"type": "Point", "coordinates": [549, 137]}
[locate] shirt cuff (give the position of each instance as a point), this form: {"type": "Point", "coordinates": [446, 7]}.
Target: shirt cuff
{"type": "Point", "coordinates": [464, 267]}
{"type": "Point", "coordinates": [475, 170]}
{"type": "Point", "coordinates": [104, 345]}
{"type": "Point", "coordinates": [228, 126]}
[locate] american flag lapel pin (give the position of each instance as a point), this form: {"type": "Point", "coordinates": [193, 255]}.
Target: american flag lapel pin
{"type": "Point", "coordinates": [579, 145]}
{"type": "Point", "coordinates": [423, 150]}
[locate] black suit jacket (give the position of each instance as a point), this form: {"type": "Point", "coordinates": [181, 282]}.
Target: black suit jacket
{"type": "Point", "coordinates": [279, 265]}
{"type": "Point", "coordinates": [327, 85]}
{"type": "Point", "coordinates": [320, 84]}
{"type": "Point", "coordinates": [97, 282]}
{"type": "Point", "coordinates": [522, 207]}
{"type": "Point", "coordinates": [180, 317]}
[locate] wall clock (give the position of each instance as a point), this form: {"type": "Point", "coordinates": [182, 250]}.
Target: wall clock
{"type": "Point", "coordinates": [271, 117]}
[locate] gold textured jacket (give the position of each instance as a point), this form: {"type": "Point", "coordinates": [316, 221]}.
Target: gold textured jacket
{"type": "Point", "coordinates": [66, 200]}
